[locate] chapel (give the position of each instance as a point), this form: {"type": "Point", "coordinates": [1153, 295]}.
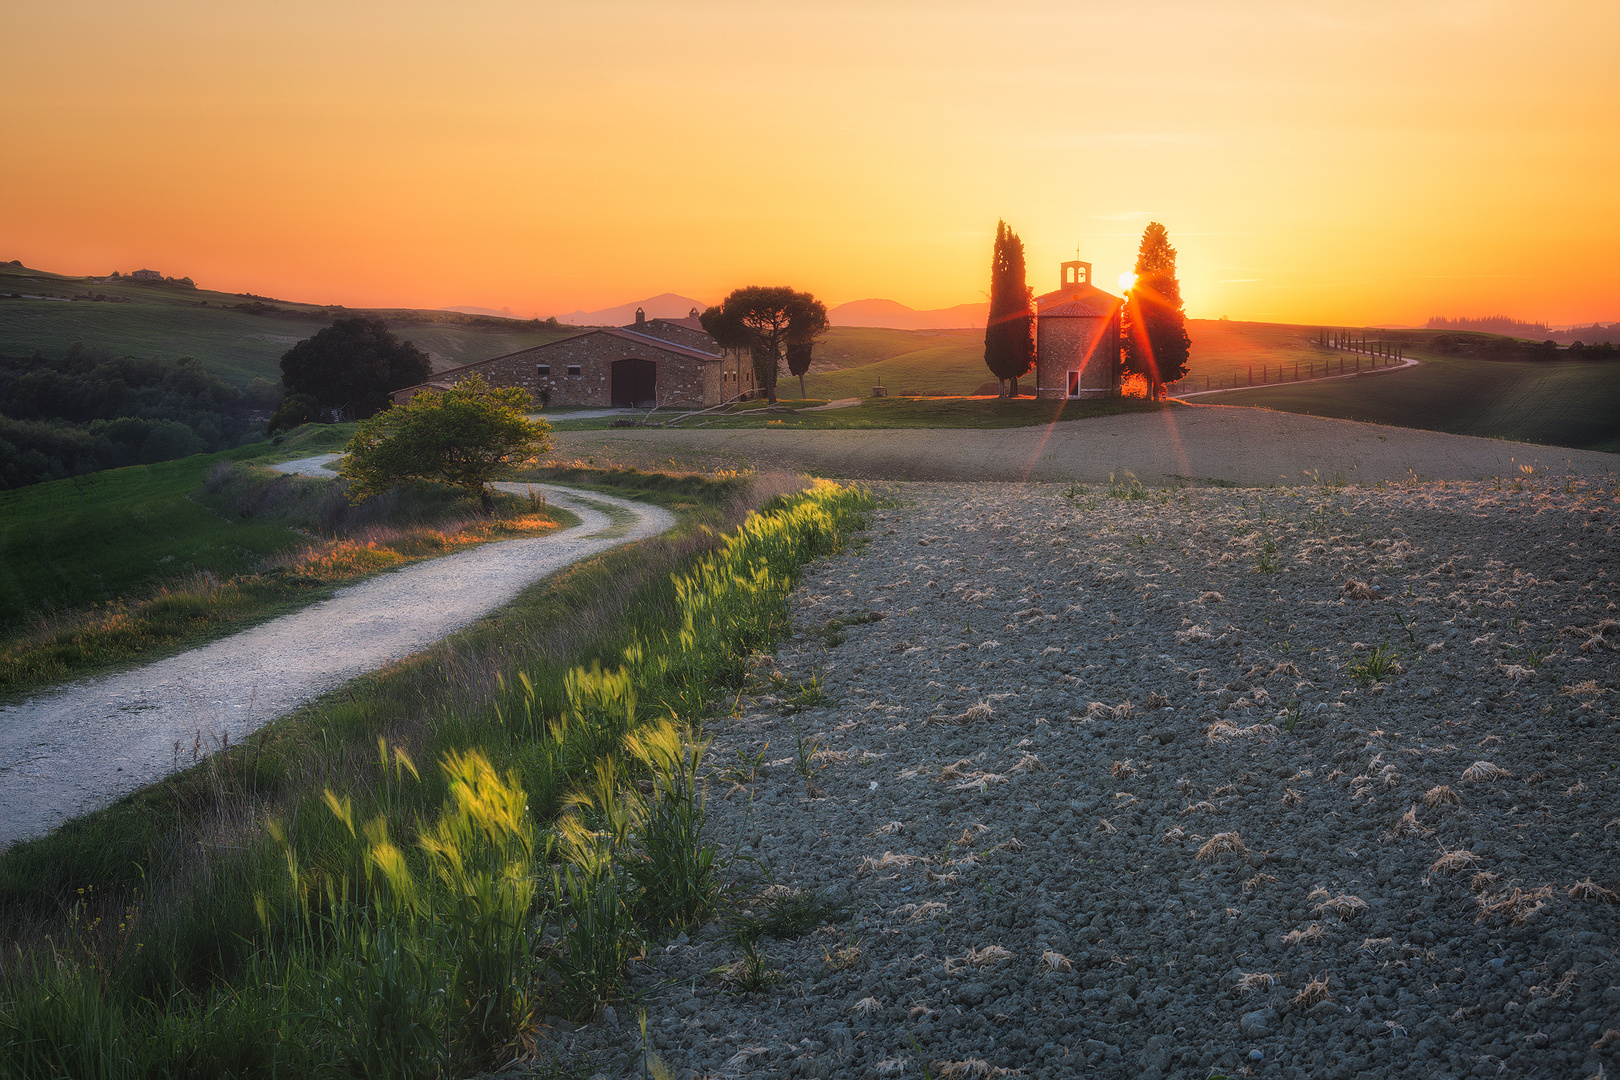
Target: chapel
{"type": "Point", "coordinates": [1077, 338]}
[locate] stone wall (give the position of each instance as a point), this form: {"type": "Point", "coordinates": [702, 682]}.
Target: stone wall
{"type": "Point", "coordinates": [1089, 345]}
{"type": "Point", "coordinates": [577, 372]}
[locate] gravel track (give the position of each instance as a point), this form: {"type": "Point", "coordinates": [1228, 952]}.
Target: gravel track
{"type": "Point", "coordinates": [1224, 443]}
{"type": "Point", "coordinates": [79, 748]}
{"type": "Point", "coordinates": [1027, 769]}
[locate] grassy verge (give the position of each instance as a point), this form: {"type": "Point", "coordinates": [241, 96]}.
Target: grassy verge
{"type": "Point", "coordinates": [1554, 403]}
{"type": "Point", "coordinates": [147, 561]}
{"type": "Point", "coordinates": [317, 903]}
{"type": "Point", "coordinates": [906, 412]}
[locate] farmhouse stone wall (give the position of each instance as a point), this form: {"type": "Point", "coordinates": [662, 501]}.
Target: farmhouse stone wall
{"type": "Point", "coordinates": [577, 372]}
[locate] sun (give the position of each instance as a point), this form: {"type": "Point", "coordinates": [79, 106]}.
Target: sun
{"type": "Point", "coordinates": [1126, 280]}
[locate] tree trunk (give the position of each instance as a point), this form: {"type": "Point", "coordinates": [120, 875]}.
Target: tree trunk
{"type": "Point", "coordinates": [1012, 388]}
{"type": "Point", "coordinates": [486, 501]}
{"type": "Point", "coordinates": [802, 394]}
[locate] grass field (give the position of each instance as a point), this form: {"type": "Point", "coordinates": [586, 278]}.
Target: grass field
{"type": "Point", "coordinates": [168, 322]}
{"type": "Point", "coordinates": [93, 539]}
{"type": "Point", "coordinates": [952, 361]}
{"type": "Point", "coordinates": [1558, 403]}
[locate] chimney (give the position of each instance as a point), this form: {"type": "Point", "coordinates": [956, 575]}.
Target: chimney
{"type": "Point", "coordinates": [641, 317]}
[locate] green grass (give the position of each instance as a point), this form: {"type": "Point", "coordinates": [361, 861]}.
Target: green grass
{"type": "Point", "coordinates": [136, 563]}
{"type": "Point", "coordinates": [899, 412]}
{"type": "Point", "coordinates": [98, 538]}
{"type": "Point", "coordinates": [168, 322]}
{"type": "Point", "coordinates": [423, 947]}
{"type": "Point", "coordinates": [1572, 403]}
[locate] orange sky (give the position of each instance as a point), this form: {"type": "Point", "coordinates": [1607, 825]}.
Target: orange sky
{"type": "Point", "coordinates": [1367, 162]}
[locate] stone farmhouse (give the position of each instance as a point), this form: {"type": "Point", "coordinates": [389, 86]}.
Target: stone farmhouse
{"type": "Point", "coordinates": [1077, 338]}
{"type": "Point", "coordinates": [651, 362]}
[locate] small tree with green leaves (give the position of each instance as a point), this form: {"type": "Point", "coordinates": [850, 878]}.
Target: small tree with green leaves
{"type": "Point", "coordinates": [1009, 335]}
{"type": "Point", "coordinates": [463, 437]}
{"type": "Point", "coordinates": [1154, 325]}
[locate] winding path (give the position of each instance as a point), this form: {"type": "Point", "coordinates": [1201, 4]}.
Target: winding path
{"type": "Point", "coordinates": [80, 747]}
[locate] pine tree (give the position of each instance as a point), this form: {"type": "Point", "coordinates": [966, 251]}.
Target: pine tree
{"type": "Point", "coordinates": [1009, 334]}
{"type": "Point", "coordinates": [1155, 327]}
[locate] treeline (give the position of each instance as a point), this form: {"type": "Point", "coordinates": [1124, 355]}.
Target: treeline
{"type": "Point", "coordinates": [89, 410]}
{"type": "Point", "coordinates": [1489, 324]}
{"type": "Point", "coordinates": [1486, 347]}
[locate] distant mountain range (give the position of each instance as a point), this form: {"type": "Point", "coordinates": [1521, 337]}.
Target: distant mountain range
{"type": "Point", "coordinates": [662, 306]}
{"type": "Point", "coordinates": [897, 316]}
{"type": "Point", "coordinates": [883, 313]}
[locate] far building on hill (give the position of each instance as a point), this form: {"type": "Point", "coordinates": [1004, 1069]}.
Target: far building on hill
{"type": "Point", "coordinates": [1077, 338]}
{"type": "Point", "coordinates": [650, 362]}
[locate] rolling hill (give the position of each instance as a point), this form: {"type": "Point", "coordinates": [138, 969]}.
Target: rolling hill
{"type": "Point", "coordinates": [237, 337]}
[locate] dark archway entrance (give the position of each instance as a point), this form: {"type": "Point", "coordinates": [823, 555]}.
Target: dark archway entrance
{"type": "Point", "coordinates": [635, 384]}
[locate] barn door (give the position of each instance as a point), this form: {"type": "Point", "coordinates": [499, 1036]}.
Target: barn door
{"type": "Point", "coordinates": [635, 384]}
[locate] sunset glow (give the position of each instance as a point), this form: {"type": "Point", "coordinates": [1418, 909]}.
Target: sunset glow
{"type": "Point", "coordinates": [1315, 161]}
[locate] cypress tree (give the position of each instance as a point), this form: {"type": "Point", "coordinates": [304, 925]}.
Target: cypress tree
{"type": "Point", "coordinates": [1009, 333]}
{"type": "Point", "coordinates": [1156, 343]}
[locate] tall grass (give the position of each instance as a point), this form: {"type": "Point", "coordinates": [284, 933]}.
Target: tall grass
{"type": "Point", "coordinates": [332, 910]}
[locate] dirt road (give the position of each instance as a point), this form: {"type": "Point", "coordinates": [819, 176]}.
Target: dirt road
{"type": "Point", "coordinates": [81, 747]}
{"type": "Point", "coordinates": [1222, 443]}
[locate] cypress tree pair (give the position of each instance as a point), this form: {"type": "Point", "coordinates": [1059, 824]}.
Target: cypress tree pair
{"type": "Point", "coordinates": [1155, 327]}
{"type": "Point", "coordinates": [1009, 333]}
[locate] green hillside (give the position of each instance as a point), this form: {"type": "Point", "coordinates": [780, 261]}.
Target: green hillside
{"type": "Point", "coordinates": [238, 338]}
{"type": "Point", "coordinates": [952, 361]}
{"type": "Point", "coordinates": [1573, 403]}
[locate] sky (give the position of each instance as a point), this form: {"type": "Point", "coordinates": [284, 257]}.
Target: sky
{"type": "Point", "coordinates": [1362, 163]}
